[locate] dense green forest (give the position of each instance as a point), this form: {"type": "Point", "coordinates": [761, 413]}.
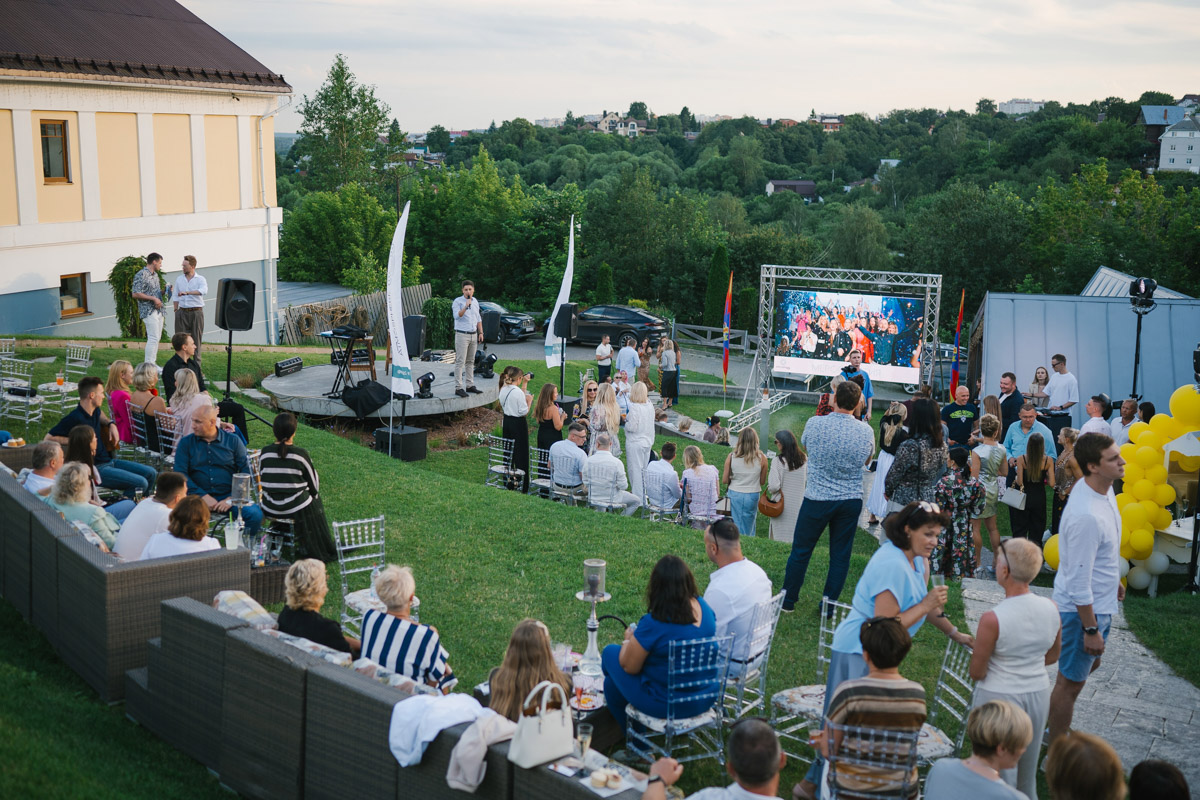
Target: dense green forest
{"type": "Point", "coordinates": [991, 203]}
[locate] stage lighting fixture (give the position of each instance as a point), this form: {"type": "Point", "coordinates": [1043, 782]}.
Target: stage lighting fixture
{"type": "Point", "coordinates": [1141, 297]}
{"type": "Point", "coordinates": [485, 366]}
{"type": "Point", "coordinates": [423, 386]}
{"type": "Point", "coordinates": [1141, 292]}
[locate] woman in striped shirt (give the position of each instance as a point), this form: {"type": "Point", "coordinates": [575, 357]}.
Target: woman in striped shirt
{"type": "Point", "coordinates": [398, 642]}
{"type": "Point", "coordinates": [290, 490]}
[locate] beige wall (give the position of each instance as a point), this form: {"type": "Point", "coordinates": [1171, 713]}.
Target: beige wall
{"type": "Point", "coordinates": [8, 171]}
{"type": "Point", "coordinates": [221, 162]}
{"type": "Point", "coordinates": [58, 202]}
{"type": "Point", "coordinates": [173, 163]}
{"type": "Point", "coordinates": [117, 155]}
{"type": "Point", "coordinates": [268, 149]}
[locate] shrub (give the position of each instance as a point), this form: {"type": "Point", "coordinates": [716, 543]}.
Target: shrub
{"type": "Point", "coordinates": [120, 282]}
{"type": "Point", "coordinates": [603, 293]}
{"type": "Point", "coordinates": [638, 304]}
{"type": "Point", "coordinates": [439, 326]}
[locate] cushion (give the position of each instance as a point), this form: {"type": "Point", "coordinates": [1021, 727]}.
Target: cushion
{"type": "Point", "coordinates": [244, 607]}
{"type": "Point", "coordinates": [933, 744]}
{"type": "Point", "coordinates": [363, 599]}
{"type": "Point", "coordinates": [90, 535]}
{"type": "Point", "coordinates": [336, 657]}
{"type": "Point", "coordinates": [681, 725]}
{"type": "Point", "coordinates": [372, 670]}
{"type": "Point", "coordinates": [804, 701]}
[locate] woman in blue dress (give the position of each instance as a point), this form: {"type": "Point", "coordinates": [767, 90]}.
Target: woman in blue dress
{"type": "Point", "coordinates": [894, 584]}
{"type": "Point", "coordinates": [635, 672]}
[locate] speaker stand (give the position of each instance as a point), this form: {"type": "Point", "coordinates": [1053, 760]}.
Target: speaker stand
{"type": "Point", "coordinates": [562, 368]}
{"type": "Point", "coordinates": [229, 382]}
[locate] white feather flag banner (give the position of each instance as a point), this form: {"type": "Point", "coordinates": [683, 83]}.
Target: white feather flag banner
{"type": "Point", "coordinates": [401, 374]}
{"type": "Point", "coordinates": [554, 344]}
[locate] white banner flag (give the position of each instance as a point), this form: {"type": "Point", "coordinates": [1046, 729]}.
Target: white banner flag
{"type": "Point", "coordinates": [401, 374]}
{"type": "Point", "coordinates": [554, 343]}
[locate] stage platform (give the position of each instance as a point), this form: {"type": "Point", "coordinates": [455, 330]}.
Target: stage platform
{"type": "Point", "coordinates": [303, 392]}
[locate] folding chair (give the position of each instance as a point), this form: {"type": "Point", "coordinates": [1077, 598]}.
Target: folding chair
{"type": "Point", "coordinates": [8, 348]}
{"type": "Point", "coordinates": [696, 673]}
{"type": "Point", "coordinates": [500, 472]}
{"type": "Point", "coordinates": [746, 692]}
{"type": "Point", "coordinates": [280, 531]}
{"type": "Point", "coordinates": [141, 440]}
{"type": "Point", "coordinates": [78, 362]}
{"type": "Point", "coordinates": [361, 548]}
{"type": "Point", "coordinates": [606, 496]}
{"type": "Point", "coordinates": [701, 497]}
{"type": "Point", "coordinates": [655, 493]}
{"type": "Point", "coordinates": [567, 495]}
{"type": "Point", "coordinates": [169, 434]}
{"type": "Point", "coordinates": [539, 465]}
{"type": "Point", "coordinates": [796, 711]}
{"type": "Point", "coordinates": [943, 734]}
{"type": "Point", "coordinates": [16, 373]}
{"type": "Point", "coordinates": [884, 762]}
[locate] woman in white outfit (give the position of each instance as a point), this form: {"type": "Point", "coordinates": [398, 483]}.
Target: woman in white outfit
{"type": "Point", "coordinates": [639, 435]}
{"type": "Point", "coordinates": [787, 474]}
{"type": "Point", "coordinates": [1015, 642]}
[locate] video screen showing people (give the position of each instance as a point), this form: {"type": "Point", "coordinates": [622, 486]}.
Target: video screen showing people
{"type": "Point", "coordinates": [816, 330]}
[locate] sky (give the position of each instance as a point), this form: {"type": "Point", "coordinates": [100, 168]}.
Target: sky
{"type": "Point", "coordinates": [464, 63]}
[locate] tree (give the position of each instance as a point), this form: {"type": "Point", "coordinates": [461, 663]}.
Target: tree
{"type": "Point", "coordinates": [687, 120]}
{"type": "Point", "coordinates": [1156, 99]}
{"type": "Point", "coordinates": [985, 106]}
{"type": "Point", "coordinates": [570, 122]}
{"type": "Point", "coordinates": [333, 231]}
{"type": "Point", "coordinates": [342, 125]}
{"type": "Point", "coordinates": [718, 285]}
{"type": "Point", "coordinates": [860, 239]}
{"type": "Point", "coordinates": [638, 110]}
{"type": "Point", "coordinates": [603, 293]}
{"type": "Point", "coordinates": [437, 140]}
{"type": "Point", "coordinates": [395, 136]}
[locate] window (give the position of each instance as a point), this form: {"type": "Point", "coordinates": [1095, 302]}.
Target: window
{"type": "Point", "coordinates": [1170, 161]}
{"type": "Point", "coordinates": [1172, 147]}
{"type": "Point", "coordinates": [1189, 161]}
{"type": "Point", "coordinates": [72, 294]}
{"type": "Point", "coordinates": [55, 163]}
{"type": "Point", "coordinates": [1190, 147]}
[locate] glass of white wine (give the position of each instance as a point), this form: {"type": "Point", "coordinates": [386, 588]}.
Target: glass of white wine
{"type": "Point", "coordinates": [583, 739]}
{"type": "Point", "coordinates": [935, 580]}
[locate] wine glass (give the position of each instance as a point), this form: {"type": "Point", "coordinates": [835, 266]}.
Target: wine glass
{"type": "Point", "coordinates": [935, 580]}
{"type": "Point", "coordinates": [583, 739]}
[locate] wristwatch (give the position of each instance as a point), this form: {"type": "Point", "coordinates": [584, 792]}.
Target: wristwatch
{"type": "Point", "coordinates": [654, 779]}
{"type": "Point", "coordinates": [1092, 631]}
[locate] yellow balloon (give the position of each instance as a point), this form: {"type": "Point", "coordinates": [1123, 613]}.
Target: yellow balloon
{"type": "Point", "coordinates": [1134, 472]}
{"type": "Point", "coordinates": [1141, 542]}
{"type": "Point", "coordinates": [1164, 494]}
{"type": "Point", "coordinates": [1128, 451]}
{"type": "Point", "coordinates": [1149, 439]}
{"type": "Point", "coordinates": [1163, 520]}
{"type": "Point", "coordinates": [1164, 426]}
{"type": "Point", "coordinates": [1175, 455]}
{"type": "Point", "coordinates": [1147, 456]}
{"type": "Point", "coordinates": [1135, 430]}
{"type": "Point", "coordinates": [1185, 404]}
{"type": "Point", "coordinates": [1135, 515]}
{"type": "Point", "coordinates": [1125, 531]}
{"type": "Point", "coordinates": [1156, 475]}
{"type": "Point", "coordinates": [1190, 463]}
{"type": "Point", "coordinates": [1050, 551]}
{"type": "Point", "coordinates": [1151, 508]}
{"type": "Point", "coordinates": [1143, 490]}
{"type": "Point", "coordinates": [1124, 498]}
{"type": "Point", "coordinates": [1126, 551]}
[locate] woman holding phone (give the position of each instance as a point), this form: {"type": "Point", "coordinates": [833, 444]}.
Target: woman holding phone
{"type": "Point", "coordinates": [515, 400]}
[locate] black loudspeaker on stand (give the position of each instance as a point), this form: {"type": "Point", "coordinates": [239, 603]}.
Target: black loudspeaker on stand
{"type": "Point", "coordinates": [406, 442]}
{"type": "Point", "coordinates": [414, 335]}
{"type": "Point", "coordinates": [566, 324]}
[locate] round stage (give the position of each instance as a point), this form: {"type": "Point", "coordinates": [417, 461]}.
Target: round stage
{"type": "Point", "coordinates": [303, 392]}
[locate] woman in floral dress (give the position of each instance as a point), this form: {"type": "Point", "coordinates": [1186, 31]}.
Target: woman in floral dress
{"type": "Point", "coordinates": [961, 497]}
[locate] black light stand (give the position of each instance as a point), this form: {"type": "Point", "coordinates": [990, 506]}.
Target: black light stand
{"type": "Point", "coordinates": [1141, 294]}
{"type": "Point", "coordinates": [225, 401]}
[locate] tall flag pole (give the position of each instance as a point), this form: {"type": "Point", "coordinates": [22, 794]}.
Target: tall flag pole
{"type": "Point", "coordinates": [725, 344]}
{"type": "Point", "coordinates": [401, 374]}
{"type": "Point", "coordinates": [555, 345]}
{"type": "Point", "coordinates": [957, 331]}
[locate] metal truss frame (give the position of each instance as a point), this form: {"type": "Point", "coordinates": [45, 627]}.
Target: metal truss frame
{"type": "Point", "coordinates": [775, 276]}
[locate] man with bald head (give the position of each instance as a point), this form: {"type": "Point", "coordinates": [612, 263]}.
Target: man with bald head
{"type": "Point", "coordinates": [209, 457]}
{"type": "Point", "coordinates": [960, 417]}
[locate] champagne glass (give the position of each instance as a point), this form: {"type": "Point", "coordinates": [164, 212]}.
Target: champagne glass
{"type": "Point", "coordinates": [583, 739]}
{"type": "Point", "coordinates": [935, 580]}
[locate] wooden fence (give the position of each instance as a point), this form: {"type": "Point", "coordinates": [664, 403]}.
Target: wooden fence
{"type": "Point", "coordinates": [703, 336]}
{"type": "Point", "coordinates": [301, 324]}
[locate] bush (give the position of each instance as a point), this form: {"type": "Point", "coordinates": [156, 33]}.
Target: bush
{"type": "Point", "coordinates": [603, 293]}
{"type": "Point", "coordinates": [120, 282]}
{"type": "Point", "coordinates": [638, 304]}
{"type": "Point", "coordinates": [745, 309]}
{"type": "Point", "coordinates": [439, 326]}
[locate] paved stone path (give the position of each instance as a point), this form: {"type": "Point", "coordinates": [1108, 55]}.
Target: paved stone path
{"type": "Point", "coordinates": [1133, 700]}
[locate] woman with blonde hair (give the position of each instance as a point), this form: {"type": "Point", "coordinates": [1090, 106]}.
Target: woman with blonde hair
{"type": "Point", "coordinates": [700, 488]}
{"type": "Point", "coordinates": [306, 585]}
{"type": "Point", "coordinates": [987, 459]}
{"type": "Point", "coordinates": [891, 435]}
{"type": "Point", "coordinates": [744, 474]}
{"type": "Point", "coordinates": [1000, 734]}
{"type": "Point", "coordinates": [120, 374]}
{"type": "Point", "coordinates": [1066, 472]}
{"type": "Point", "coordinates": [605, 417]}
{"type": "Point", "coordinates": [527, 662]}
{"type": "Point", "coordinates": [639, 435]}
{"type": "Point", "coordinates": [514, 401]}
{"type": "Point", "coordinates": [400, 643]}
{"type": "Point", "coordinates": [71, 496]}
{"type": "Point", "coordinates": [145, 398]}
{"type": "Point", "coordinates": [187, 400]}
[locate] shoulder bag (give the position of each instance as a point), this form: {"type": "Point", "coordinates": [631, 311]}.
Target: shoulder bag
{"type": "Point", "coordinates": [547, 735]}
{"type": "Point", "coordinates": [768, 507]}
{"type": "Point", "coordinates": [1014, 497]}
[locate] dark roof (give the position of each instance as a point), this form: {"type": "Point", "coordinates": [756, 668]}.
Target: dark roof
{"type": "Point", "coordinates": [147, 39]}
{"type": "Point", "coordinates": [1161, 115]}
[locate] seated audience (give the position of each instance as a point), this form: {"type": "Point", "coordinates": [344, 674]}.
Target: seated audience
{"type": "Point", "coordinates": [735, 588]}
{"type": "Point", "coordinates": [527, 662]}
{"type": "Point", "coordinates": [568, 457]}
{"type": "Point", "coordinates": [605, 478]}
{"type": "Point", "coordinates": [120, 374]}
{"type": "Point", "coordinates": [999, 732]}
{"type": "Point", "coordinates": [291, 490]}
{"type": "Point", "coordinates": [699, 483]}
{"type": "Point", "coordinates": [150, 516]}
{"type": "Point", "coordinates": [188, 399]}
{"type": "Point", "coordinates": [185, 350]}
{"type": "Point", "coordinates": [635, 672]}
{"type": "Point", "coordinates": [306, 585]}
{"type": "Point", "coordinates": [1157, 780]}
{"type": "Point", "coordinates": [126, 476]}
{"type": "Point", "coordinates": [1084, 767]}
{"type": "Point", "coordinates": [754, 762]}
{"type": "Point", "coordinates": [186, 533]}
{"type": "Point", "coordinates": [81, 448]}
{"type": "Point", "coordinates": [398, 642]}
{"type": "Point", "coordinates": [47, 461]}
{"type": "Point", "coordinates": [145, 397]}
{"type": "Point", "coordinates": [712, 433]}
{"type": "Point", "coordinates": [210, 457]}
{"type": "Point", "coordinates": [71, 496]}
{"type": "Point", "coordinates": [661, 479]}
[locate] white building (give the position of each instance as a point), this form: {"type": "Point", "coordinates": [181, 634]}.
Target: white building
{"type": "Point", "coordinates": [1179, 147]}
{"type": "Point", "coordinates": [127, 129]}
{"type": "Point", "coordinates": [1017, 106]}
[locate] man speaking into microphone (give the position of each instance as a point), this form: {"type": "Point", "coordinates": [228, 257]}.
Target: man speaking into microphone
{"type": "Point", "coordinates": [468, 330]}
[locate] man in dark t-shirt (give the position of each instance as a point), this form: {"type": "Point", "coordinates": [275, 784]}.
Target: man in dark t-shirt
{"type": "Point", "coordinates": [960, 417]}
{"type": "Point", "coordinates": [185, 349]}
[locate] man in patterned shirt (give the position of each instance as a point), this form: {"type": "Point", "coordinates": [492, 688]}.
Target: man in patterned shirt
{"type": "Point", "coordinates": [147, 290]}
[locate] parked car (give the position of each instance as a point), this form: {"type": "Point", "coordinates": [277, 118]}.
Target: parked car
{"type": "Point", "coordinates": [514, 325]}
{"type": "Point", "coordinates": [622, 324]}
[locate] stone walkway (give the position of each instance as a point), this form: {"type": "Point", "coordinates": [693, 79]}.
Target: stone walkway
{"type": "Point", "coordinates": [1134, 701]}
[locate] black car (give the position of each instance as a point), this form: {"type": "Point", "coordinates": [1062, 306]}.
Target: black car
{"type": "Point", "coordinates": [514, 326]}
{"type": "Point", "coordinates": [622, 324]}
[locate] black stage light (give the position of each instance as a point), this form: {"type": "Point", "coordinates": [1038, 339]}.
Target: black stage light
{"type": "Point", "coordinates": [485, 366]}
{"type": "Point", "coordinates": [424, 383]}
{"type": "Point", "coordinates": [1141, 292]}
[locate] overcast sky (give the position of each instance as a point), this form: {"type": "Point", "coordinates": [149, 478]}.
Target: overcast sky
{"type": "Point", "coordinates": [464, 63]}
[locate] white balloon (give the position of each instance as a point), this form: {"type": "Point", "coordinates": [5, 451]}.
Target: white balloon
{"type": "Point", "coordinates": [1138, 578]}
{"type": "Point", "coordinates": [1124, 567]}
{"type": "Point", "coordinates": [1137, 562]}
{"type": "Point", "coordinates": [1157, 563]}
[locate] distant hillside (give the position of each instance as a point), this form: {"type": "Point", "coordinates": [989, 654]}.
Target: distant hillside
{"type": "Point", "coordinates": [284, 142]}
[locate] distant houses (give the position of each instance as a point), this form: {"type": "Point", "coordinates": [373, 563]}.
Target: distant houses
{"type": "Point", "coordinates": [806, 189]}
{"type": "Point", "coordinates": [830, 123]}
{"type": "Point", "coordinates": [1179, 146]}
{"type": "Point", "coordinates": [1018, 107]}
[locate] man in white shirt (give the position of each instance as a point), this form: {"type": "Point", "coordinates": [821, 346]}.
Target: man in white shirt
{"type": "Point", "coordinates": [1099, 409]}
{"type": "Point", "coordinates": [628, 359]}
{"type": "Point", "coordinates": [661, 479]}
{"type": "Point", "coordinates": [1088, 586]}
{"type": "Point", "coordinates": [1062, 389]}
{"type": "Point", "coordinates": [47, 461]}
{"type": "Point", "coordinates": [188, 300]}
{"type": "Point", "coordinates": [150, 516]}
{"type": "Point", "coordinates": [604, 359]}
{"type": "Point", "coordinates": [605, 477]}
{"type": "Point", "coordinates": [468, 331]}
{"type": "Point", "coordinates": [754, 761]}
{"type": "Point", "coordinates": [568, 458]}
{"type": "Point", "coordinates": [1119, 427]}
{"type": "Point", "coordinates": [734, 589]}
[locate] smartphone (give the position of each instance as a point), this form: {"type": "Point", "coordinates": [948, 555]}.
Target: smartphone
{"type": "Point", "coordinates": [529, 375]}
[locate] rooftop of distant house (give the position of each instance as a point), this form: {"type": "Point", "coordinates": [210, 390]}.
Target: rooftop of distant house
{"type": "Point", "coordinates": [1161, 115]}
{"type": "Point", "coordinates": [134, 40]}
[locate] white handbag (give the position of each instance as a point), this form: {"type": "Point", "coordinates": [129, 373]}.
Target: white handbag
{"type": "Point", "coordinates": [545, 736]}
{"type": "Point", "coordinates": [1013, 497]}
